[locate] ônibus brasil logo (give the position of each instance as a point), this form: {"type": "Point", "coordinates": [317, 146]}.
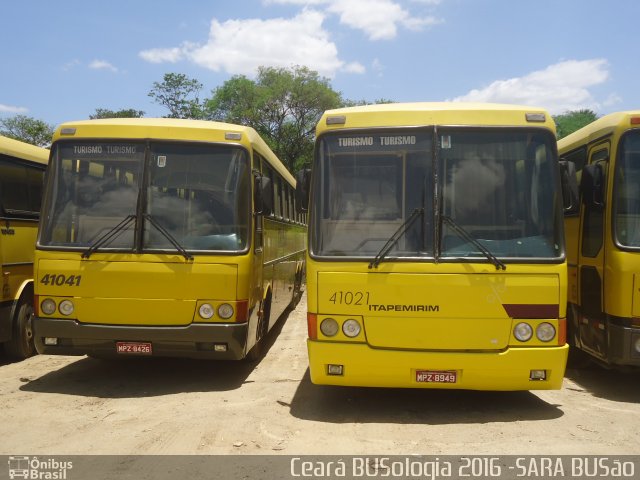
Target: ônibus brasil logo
{"type": "Point", "coordinates": [38, 469]}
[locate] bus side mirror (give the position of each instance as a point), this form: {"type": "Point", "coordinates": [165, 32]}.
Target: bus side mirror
{"type": "Point", "coordinates": [263, 191]}
{"type": "Point", "coordinates": [569, 179]}
{"type": "Point", "coordinates": [303, 182]}
{"type": "Point", "coordinates": [592, 186]}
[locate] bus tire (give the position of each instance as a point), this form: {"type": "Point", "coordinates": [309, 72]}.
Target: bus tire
{"type": "Point", "coordinates": [577, 357]}
{"type": "Point", "coordinates": [261, 331]}
{"type": "Point", "coordinates": [21, 345]}
{"type": "Point", "coordinates": [297, 289]}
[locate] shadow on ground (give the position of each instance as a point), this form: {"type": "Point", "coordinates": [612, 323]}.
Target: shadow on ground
{"type": "Point", "coordinates": [410, 406]}
{"type": "Point", "coordinates": [610, 384]}
{"type": "Point", "coordinates": [148, 377]}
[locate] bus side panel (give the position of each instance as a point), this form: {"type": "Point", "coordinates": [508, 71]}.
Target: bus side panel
{"type": "Point", "coordinates": [284, 250]}
{"type": "Point", "coordinates": [17, 245]}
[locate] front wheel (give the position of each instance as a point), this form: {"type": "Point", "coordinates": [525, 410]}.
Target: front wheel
{"type": "Point", "coordinates": [21, 345]}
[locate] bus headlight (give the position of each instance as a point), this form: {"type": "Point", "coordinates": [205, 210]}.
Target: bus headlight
{"type": "Point", "coordinates": [351, 328]}
{"type": "Point", "coordinates": [66, 307]}
{"type": "Point", "coordinates": [225, 311]}
{"type": "Point", "coordinates": [205, 311]}
{"type": "Point", "coordinates": [48, 306]}
{"type": "Point", "coordinates": [329, 327]}
{"type": "Point", "coordinates": [523, 332]}
{"type": "Point", "coordinates": [545, 332]}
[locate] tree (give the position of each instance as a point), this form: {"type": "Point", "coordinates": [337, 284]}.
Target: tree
{"type": "Point", "coordinates": [282, 105]}
{"type": "Point", "coordinates": [27, 129]}
{"type": "Point", "coordinates": [574, 120]}
{"type": "Point", "coordinates": [179, 94]}
{"type": "Point", "coordinates": [122, 113]}
{"type": "Point", "coordinates": [359, 103]}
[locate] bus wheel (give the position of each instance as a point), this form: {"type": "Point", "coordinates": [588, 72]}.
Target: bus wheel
{"type": "Point", "coordinates": [261, 331]}
{"type": "Point", "coordinates": [21, 344]}
{"type": "Point", "coordinates": [297, 290]}
{"type": "Point", "coordinates": [577, 358]}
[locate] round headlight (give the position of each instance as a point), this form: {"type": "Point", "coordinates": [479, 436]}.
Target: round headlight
{"type": "Point", "coordinates": [205, 311]}
{"type": "Point", "coordinates": [329, 327]}
{"type": "Point", "coordinates": [351, 328]}
{"type": "Point", "coordinates": [545, 332]}
{"type": "Point", "coordinates": [637, 345]}
{"type": "Point", "coordinates": [523, 332]}
{"type": "Point", "coordinates": [225, 311]}
{"type": "Point", "coordinates": [48, 306]}
{"type": "Point", "coordinates": [66, 307]}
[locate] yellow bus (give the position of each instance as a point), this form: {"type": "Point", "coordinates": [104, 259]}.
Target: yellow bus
{"type": "Point", "coordinates": [603, 240]}
{"type": "Point", "coordinates": [164, 237]}
{"type": "Point", "coordinates": [22, 168]}
{"type": "Point", "coordinates": [435, 255]}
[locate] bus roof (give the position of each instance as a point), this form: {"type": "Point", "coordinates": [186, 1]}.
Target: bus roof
{"type": "Point", "coordinates": [434, 113]}
{"type": "Point", "coordinates": [26, 151]}
{"type": "Point", "coordinates": [170, 129]}
{"type": "Point", "coordinates": [602, 127]}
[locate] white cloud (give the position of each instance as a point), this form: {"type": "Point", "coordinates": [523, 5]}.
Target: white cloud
{"type": "Point", "coordinates": [12, 109]}
{"type": "Point", "coordinates": [559, 88]}
{"type": "Point", "coordinates": [378, 19]}
{"type": "Point", "coordinates": [354, 67]}
{"type": "Point", "coordinates": [71, 64]}
{"type": "Point", "coordinates": [102, 65]}
{"type": "Point", "coordinates": [162, 55]}
{"type": "Point", "coordinates": [241, 46]}
{"type": "Point", "coordinates": [377, 67]}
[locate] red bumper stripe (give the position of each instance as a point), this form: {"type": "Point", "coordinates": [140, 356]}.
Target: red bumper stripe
{"type": "Point", "coordinates": [526, 310]}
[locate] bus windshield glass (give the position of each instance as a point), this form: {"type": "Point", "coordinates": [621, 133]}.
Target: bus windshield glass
{"type": "Point", "coordinates": [195, 195]}
{"type": "Point", "coordinates": [496, 185]}
{"type": "Point", "coordinates": [627, 192]}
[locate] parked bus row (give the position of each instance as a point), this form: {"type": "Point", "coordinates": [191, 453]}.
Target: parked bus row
{"type": "Point", "coordinates": [436, 254]}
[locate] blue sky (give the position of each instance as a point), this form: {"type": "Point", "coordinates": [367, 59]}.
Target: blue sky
{"type": "Point", "coordinates": [62, 60]}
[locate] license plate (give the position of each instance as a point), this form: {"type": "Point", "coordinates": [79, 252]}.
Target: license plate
{"type": "Point", "coordinates": [134, 348]}
{"type": "Point", "coordinates": [436, 376]}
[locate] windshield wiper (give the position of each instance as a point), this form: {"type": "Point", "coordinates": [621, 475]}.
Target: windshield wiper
{"type": "Point", "coordinates": [169, 237]}
{"type": "Point", "coordinates": [466, 236]}
{"type": "Point", "coordinates": [108, 236]}
{"type": "Point", "coordinates": [386, 248]}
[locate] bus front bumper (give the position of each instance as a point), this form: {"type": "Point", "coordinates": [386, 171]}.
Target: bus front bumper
{"type": "Point", "coordinates": [623, 342]}
{"type": "Point", "coordinates": [207, 341]}
{"type": "Point", "coordinates": [368, 367]}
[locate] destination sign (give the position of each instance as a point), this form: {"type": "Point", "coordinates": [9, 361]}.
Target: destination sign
{"type": "Point", "coordinates": [384, 142]}
{"type": "Point", "coordinates": [106, 150]}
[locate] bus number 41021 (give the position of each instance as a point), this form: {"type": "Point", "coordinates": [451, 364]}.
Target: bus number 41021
{"type": "Point", "coordinates": [350, 298]}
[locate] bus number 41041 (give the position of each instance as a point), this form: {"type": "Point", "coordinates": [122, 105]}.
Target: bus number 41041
{"type": "Point", "coordinates": [60, 280]}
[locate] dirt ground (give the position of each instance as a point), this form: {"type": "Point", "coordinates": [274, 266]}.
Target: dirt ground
{"type": "Point", "coordinates": [77, 405]}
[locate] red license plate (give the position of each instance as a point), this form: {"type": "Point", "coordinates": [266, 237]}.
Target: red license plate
{"type": "Point", "coordinates": [436, 376]}
{"type": "Point", "coordinates": [134, 348]}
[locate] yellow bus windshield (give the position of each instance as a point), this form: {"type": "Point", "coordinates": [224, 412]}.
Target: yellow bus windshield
{"type": "Point", "coordinates": [478, 194]}
{"type": "Point", "coordinates": [147, 196]}
{"type": "Point", "coordinates": [627, 192]}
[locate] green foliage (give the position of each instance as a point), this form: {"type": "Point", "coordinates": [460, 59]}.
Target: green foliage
{"type": "Point", "coordinates": [179, 94]}
{"type": "Point", "coordinates": [282, 105]}
{"type": "Point", "coordinates": [359, 103]}
{"type": "Point", "coordinates": [569, 122]}
{"type": "Point", "coordinates": [27, 129]}
{"type": "Point", "coordinates": [122, 113]}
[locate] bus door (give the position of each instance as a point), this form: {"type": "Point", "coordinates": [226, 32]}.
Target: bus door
{"type": "Point", "coordinates": [593, 328]}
